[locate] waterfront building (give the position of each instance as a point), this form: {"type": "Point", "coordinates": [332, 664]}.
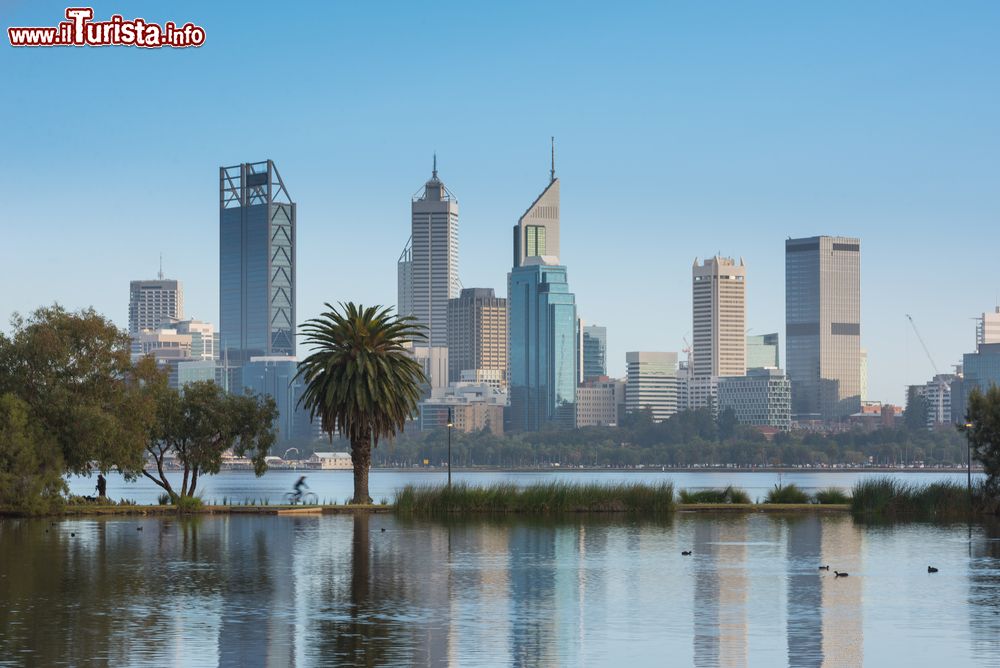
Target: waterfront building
{"type": "Point", "coordinates": [543, 360]}
{"type": "Point", "coordinates": [477, 333]}
{"type": "Point", "coordinates": [330, 461]}
{"type": "Point", "coordinates": [719, 308]}
{"type": "Point", "coordinates": [600, 402]}
{"type": "Point", "coordinates": [651, 383]}
{"type": "Point", "coordinates": [257, 228]}
{"type": "Point", "coordinates": [433, 260]}
{"type": "Point", "coordinates": [761, 398]}
{"type": "Point", "coordinates": [762, 351]}
{"type": "Point", "coordinates": [823, 326]}
{"type": "Point", "coordinates": [472, 407]}
{"type": "Point", "coordinates": [594, 343]}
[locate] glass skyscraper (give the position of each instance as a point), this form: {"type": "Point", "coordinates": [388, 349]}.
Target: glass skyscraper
{"type": "Point", "coordinates": [823, 326]}
{"type": "Point", "coordinates": [595, 351]}
{"type": "Point", "coordinates": [256, 264]}
{"type": "Point", "coordinates": [543, 360]}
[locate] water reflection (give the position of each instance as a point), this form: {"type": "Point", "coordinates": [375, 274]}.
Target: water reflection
{"type": "Point", "coordinates": [378, 590]}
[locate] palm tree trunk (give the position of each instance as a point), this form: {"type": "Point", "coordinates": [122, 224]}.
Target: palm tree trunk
{"type": "Point", "coordinates": [361, 458]}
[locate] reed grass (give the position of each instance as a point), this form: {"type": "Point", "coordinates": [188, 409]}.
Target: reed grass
{"type": "Point", "coordinates": [546, 498]}
{"type": "Point", "coordinates": [728, 495]}
{"type": "Point", "coordinates": [790, 493]}
{"type": "Point", "coordinates": [832, 495]}
{"type": "Point", "coordinates": [887, 497]}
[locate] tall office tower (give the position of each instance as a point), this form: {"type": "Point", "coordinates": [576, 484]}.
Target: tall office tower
{"type": "Point", "coordinates": [864, 375]}
{"type": "Point", "coordinates": [153, 303]}
{"type": "Point", "coordinates": [988, 328]}
{"type": "Point", "coordinates": [543, 362]}
{"type": "Point", "coordinates": [404, 280]}
{"type": "Point", "coordinates": [823, 325]}
{"type": "Point", "coordinates": [719, 301]}
{"type": "Point", "coordinates": [477, 333]}
{"type": "Point", "coordinates": [537, 231]}
{"type": "Point", "coordinates": [595, 351]}
{"type": "Point", "coordinates": [433, 258]}
{"type": "Point", "coordinates": [762, 351]}
{"type": "Point", "coordinates": [256, 264]}
{"type": "Point", "coordinates": [651, 384]}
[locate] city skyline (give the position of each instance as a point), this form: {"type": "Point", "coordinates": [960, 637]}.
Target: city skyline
{"type": "Point", "coordinates": [890, 143]}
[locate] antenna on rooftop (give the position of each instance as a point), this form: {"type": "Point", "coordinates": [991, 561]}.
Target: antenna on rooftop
{"type": "Point", "coordinates": [160, 275]}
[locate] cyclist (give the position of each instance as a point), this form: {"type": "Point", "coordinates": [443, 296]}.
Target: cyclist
{"type": "Point", "coordinates": [298, 488]}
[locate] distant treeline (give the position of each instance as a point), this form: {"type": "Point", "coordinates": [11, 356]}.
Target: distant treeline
{"type": "Point", "coordinates": [686, 439]}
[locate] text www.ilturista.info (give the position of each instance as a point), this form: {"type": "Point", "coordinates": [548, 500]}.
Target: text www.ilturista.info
{"type": "Point", "coordinates": [80, 30]}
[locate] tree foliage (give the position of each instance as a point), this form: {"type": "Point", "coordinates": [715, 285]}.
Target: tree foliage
{"type": "Point", "coordinates": [30, 463]}
{"type": "Point", "coordinates": [983, 431]}
{"type": "Point", "coordinates": [197, 426]}
{"type": "Point", "coordinates": [74, 374]}
{"type": "Point", "coordinates": [360, 379]}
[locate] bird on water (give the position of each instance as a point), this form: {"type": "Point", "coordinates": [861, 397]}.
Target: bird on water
{"type": "Point", "coordinates": [839, 574]}
{"type": "Point", "coordinates": [931, 569]}
{"type": "Point", "coordinates": [825, 568]}
{"type": "Point", "coordinates": [686, 553]}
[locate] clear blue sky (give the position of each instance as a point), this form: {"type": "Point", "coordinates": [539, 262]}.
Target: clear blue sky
{"type": "Point", "coordinates": [683, 129]}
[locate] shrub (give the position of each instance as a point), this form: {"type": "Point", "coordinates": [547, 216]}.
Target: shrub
{"type": "Point", "coordinates": [727, 495]}
{"type": "Point", "coordinates": [163, 499]}
{"type": "Point", "coordinates": [786, 494]}
{"type": "Point", "coordinates": [832, 495]}
{"type": "Point", "coordinates": [189, 504]}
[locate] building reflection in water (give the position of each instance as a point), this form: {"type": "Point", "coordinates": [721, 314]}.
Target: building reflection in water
{"type": "Point", "coordinates": [984, 592]}
{"type": "Point", "coordinates": [720, 593]}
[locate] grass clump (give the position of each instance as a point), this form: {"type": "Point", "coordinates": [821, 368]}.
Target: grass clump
{"type": "Point", "coordinates": [887, 497]}
{"type": "Point", "coordinates": [790, 493]}
{"type": "Point", "coordinates": [728, 495]}
{"type": "Point", "coordinates": [189, 504]}
{"type": "Point", "coordinates": [832, 495]}
{"type": "Point", "coordinates": [547, 498]}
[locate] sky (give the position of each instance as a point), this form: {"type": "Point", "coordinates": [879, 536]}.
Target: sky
{"type": "Point", "coordinates": [683, 129]}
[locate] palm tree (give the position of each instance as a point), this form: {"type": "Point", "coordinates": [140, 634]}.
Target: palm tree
{"type": "Point", "coordinates": [360, 381]}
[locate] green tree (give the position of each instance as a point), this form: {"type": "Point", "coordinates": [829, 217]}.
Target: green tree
{"type": "Point", "coordinates": [198, 425]}
{"type": "Point", "coordinates": [982, 428]}
{"type": "Point", "coordinates": [915, 414]}
{"type": "Point", "coordinates": [30, 464]}
{"type": "Point", "coordinates": [360, 380]}
{"type": "Point", "coordinates": [74, 373]}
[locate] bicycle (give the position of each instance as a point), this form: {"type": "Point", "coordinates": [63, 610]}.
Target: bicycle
{"type": "Point", "coordinates": [305, 498]}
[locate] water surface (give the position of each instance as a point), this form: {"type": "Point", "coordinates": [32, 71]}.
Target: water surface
{"type": "Point", "coordinates": [381, 590]}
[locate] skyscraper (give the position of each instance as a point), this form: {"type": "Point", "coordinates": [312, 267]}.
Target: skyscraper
{"type": "Point", "coordinates": [433, 259]}
{"type": "Point", "coordinates": [651, 383]}
{"type": "Point", "coordinates": [719, 305]}
{"type": "Point", "coordinates": [256, 264]}
{"type": "Point", "coordinates": [537, 231]}
{"type": "Point", "coordinates": [153, 303]}
{"type": "Point", "coordinates": [595, 351]}
{"type": "Point", "coordinates": [404, 280]}
{"type": "Point", "coordinates": [823, 325]}
{"type": "Point", "coordinates": [477, 333]}
{"type": "Point", "coordinates": [762, 351]}
{"type": "Point", "coordinates": [543, 361]}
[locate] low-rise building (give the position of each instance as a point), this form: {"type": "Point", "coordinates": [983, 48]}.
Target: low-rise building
{"type": "Point", "coordinates": [470, 406]}
{"type": "Point", "coordinates": [600, 402]}
{"type": "Point", "coordinates": [761, 398]}
{"type": "Point", "coordinates": [330, 461]}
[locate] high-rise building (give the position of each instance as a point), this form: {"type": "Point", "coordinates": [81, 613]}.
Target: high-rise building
{"type": "Point", "coordinates": [275, 376]}
{"type": "Point", "coordinates": [543, 362]}
{"type": "Point", "coordinates": [477, 333]}
{"type": "Point", "coordinates": [537, 231]}
{"type": "Point", "coordinates": [761, 398]}
{"type": "Point", "coordinates": [471, 407]}
{"type": "Point", "coordinates": [153, 303]}
{"type": "Point", "coordinates": [651, 384]}
{"type": "Point", "coordinates": [203, 337]}
{"type": "Point", "coordinates": [988, 327]}
{"type": "Point", "coordinates": [823, 325]}
{"type": "Point", "coordinates": [433, 263]}
{"type": "Point", "coordinates": [595, 351]}
{"type": "Point", "coordinates": [762, 351]}
{"type": "Point", "coordinates": [256, 264]}
{"type": "Point", "coordinates": [719, 305]}
{"type": "Point", "coordinates": [404, 281]}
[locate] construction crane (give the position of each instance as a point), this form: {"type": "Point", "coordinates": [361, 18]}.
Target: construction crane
{"type": "Point", "coordinates": [939, 412]}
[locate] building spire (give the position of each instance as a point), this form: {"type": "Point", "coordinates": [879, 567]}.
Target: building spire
{"type": "Point", "coordinates": [160, 275]}
{"type": "Point", "coordinates": [552, 172]}
{"type": "Point", "coordinates": [434, 171]}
